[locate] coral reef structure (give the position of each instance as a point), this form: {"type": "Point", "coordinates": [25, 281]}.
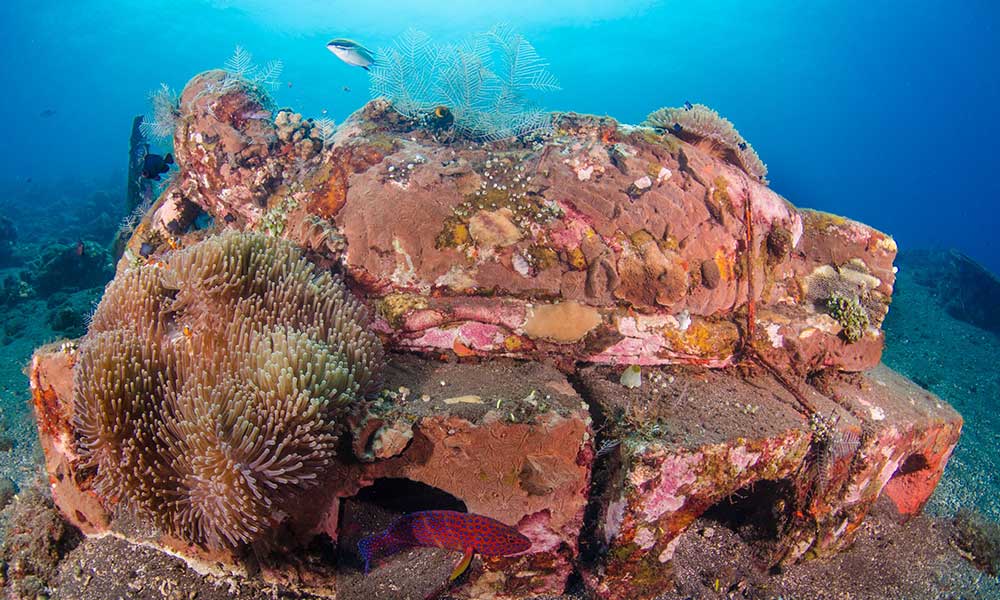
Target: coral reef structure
{"type": "Point", "coordinates": [210, 388]}
{"type": "Point", "coordinates": [693, 346]}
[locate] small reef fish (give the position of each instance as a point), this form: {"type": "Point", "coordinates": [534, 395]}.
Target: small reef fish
{"type": "Point", "coordinates": [351, 52]}
{"type": "Point", "coordinates": [48, 112]}
{"type": "Point", "coordinates": [465, 532]}
{"type": "Point", "coordinates": [688, 105]}
{"type": "Point", "coordinates": [154, 165]}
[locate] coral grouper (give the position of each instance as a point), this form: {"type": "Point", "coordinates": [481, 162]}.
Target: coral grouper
{"type": "Point", "coordinates": [449, 529]}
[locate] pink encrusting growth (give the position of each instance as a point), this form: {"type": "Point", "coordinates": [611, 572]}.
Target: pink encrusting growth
{"type": "Point", "coordinates": [448, 529]}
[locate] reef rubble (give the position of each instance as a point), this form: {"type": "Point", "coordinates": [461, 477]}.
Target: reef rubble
{"type": "Point", "coordinates": [512, 283]}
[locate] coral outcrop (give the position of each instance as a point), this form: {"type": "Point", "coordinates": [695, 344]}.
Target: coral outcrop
{"type": "Point", "coordinates": [209, 388]}
{"type": "Point", "coordinates": [697, 347]}
{"type": "Point", "coordinates": [654, 250]}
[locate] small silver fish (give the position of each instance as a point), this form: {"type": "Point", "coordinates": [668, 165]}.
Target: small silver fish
{"type": "Point", "coordinates": [351, 52]}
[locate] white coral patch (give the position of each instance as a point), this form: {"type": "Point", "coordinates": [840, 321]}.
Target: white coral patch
{"type": "Point", "coordinates": [456, 279]}
{"type": "Point", "coordinates": [777, 340]}
{"type": "Point", "coordinates": [644, 538]}
{"type": "Point", "coordinates": [740, 458]}
{"type": "Point", "coordinates": [668, 552]}
{"type": "Point", "coordinates": [613, 519]}
{"type": "Point", "coordinates": [683, 320]}
{"type": "Point", "coordinates": [521, 265]}
{"type": "Point", "coordinates": [404, 273]}
{"type": "Point", "coordinates": [876, 412]}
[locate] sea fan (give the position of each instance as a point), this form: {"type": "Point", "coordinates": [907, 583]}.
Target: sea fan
{"type": "Point", "coordinates": [520, 70]}
{"type": "Point", "coordinates": [326, 129]}
{"type": "Point", "coordinates": [466, 82]}
{"type": "Point", "coordinates": [269, 75]}
{"type": "Point", "coordinates": [406, 72]}
{"type": "Point", "coordinates": [240, 63]}
{"type": "Point", "coordinates": [240, 67]}
{"type": "Point", "coordinates": [485, 82]}
{"type": "Point", "coordinates": [166, 111]}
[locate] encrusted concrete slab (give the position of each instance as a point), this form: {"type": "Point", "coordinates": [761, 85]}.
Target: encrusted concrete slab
{"type": "Point", "coordinates": [601, 242]}
{"type": "Point", "coordinates": [509, 440]}
{"type": "Point", "coordinates": [689, 442]}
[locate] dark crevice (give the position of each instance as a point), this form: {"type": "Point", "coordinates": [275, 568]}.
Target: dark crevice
{"type": "Point", "coordinates": [760, 513]}
{"type": "Point", "coordinates": [605, 471]}
{"type": "Point", "coordinates": [405, 496]}
{"type": "Point", "coordinates": [912, 464]}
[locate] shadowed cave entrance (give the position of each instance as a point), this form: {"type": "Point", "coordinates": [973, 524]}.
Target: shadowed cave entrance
{"type": "Point", "coordinates": [376, 506]}
{"type": "Point", "coordinates": [759, 513]}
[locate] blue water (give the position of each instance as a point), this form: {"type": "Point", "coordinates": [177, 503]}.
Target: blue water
{"type": "Point", "coordinates": [881, 111]}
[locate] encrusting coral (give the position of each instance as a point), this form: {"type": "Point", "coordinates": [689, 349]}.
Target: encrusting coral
{"type": "Point", "coordinates": [698, 122]}
{"type": "Point", "coordinates": [850, 314]}
{"type": "Point", "coordinates": [211, 387]}
{"type": "Point", "coordinates": [850, 294]}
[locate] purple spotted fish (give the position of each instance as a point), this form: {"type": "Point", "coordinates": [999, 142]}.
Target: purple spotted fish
{"type": "Point", "coordinates": [465, 532]}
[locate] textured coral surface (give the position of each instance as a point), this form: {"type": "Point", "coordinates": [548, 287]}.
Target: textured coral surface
{"type": "Point", "coordinates": [599, 242]}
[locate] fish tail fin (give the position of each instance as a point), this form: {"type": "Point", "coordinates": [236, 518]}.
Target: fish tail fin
{"type": "Point", "coordinates": [374, 547]}
{"type": "Point", "coordinates": [366, 550]}
{"type": "Point", "coordinates": [462, 564]}
{"type": "Point", "coordinates": [168, 159]}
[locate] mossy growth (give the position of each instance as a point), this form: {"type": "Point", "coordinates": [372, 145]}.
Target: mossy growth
{"type": "Point", "coordinates": [505, 183]}
{"type": "Point", "coordinates": [274, 220]}
{"type": "Point", "coordinates": [850, 314]}
{"type": "Point", "coordinates": [394, 307]}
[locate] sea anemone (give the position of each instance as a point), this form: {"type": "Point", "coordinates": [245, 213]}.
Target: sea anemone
{"type": "Point", "coordinates": [210, 389]}
{"type": "Point", "coordinates": [697, 122]}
